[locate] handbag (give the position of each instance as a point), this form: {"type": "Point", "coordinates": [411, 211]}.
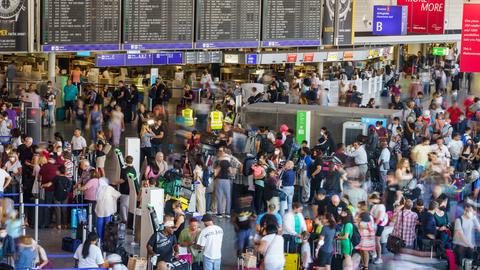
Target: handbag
{"type": "Point", "coordinates": [394, 243]}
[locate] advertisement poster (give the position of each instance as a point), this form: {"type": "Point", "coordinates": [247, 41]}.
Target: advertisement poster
{"type": "Point", "coordinates": [390, 20]}
{"type": "Point", "coordinates": [425, 16]}
{"type": "Point", "coordinates": [470, 51]}
{"type": "Point", "coordinates": [14, 26]}
{"type": "Point", "coordinates": [345, 13]}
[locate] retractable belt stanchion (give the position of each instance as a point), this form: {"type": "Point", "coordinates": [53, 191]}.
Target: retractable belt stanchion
{"type": "Point", "coordinates": [36, 219]}
{"type": "Point", "coordinates": [22, 211]}
{"type": "Point", "coordinates": [90, 217]}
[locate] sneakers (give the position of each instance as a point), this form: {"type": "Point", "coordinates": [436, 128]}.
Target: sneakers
{"type": "Point", "coordinates": [226, 216]}
{"type": "Point", "coordinates": [378, 261]}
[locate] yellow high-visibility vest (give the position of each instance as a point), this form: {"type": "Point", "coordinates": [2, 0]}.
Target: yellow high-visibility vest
{"type": "Point", "coordinates": [187, 117]}
{"type": "Point", "coordinates": [216, 120]}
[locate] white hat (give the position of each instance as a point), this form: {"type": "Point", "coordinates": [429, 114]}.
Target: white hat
{"type": "Point", "coordinates": [169, 223]}
{"type": "Point", "coordinates": [114, 258]}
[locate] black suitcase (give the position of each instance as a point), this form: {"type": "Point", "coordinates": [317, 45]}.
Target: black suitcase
{"type": "Point", "coordinates": [69, 244]}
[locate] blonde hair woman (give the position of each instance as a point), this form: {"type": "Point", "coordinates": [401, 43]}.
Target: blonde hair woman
{"type": "Point", "coordinates": [403, 174]}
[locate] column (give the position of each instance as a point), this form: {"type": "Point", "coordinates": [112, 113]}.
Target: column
{"type": "Point", "coordinates": [51, 67]}
{"type": "Point", "coordinates": [475, 84]}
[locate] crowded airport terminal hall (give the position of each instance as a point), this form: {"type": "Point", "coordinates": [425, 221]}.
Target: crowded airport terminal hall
{"type": "Point", "coordinates": [240, 134]}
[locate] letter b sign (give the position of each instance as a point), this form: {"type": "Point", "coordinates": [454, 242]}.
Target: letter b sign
{"type": "Point", "coordinates": [379, 27]}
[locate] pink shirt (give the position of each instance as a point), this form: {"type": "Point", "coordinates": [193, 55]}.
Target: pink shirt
{"type": "Point", "coordinates": [91, 189]}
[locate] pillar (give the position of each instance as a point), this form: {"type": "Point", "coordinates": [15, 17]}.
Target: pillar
{"type": "Point", "coordinates": [51, 67]}
{"type": "Point", "coordinates": [475, 84]}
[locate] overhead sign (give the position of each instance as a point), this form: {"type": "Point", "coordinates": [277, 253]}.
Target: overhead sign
{"type": "Point", "coordinates": [303, 126]}
{"type": "Point", "coordinates": [470, 51]}
{"type": "Point", "coordinates": [292, 58]}
{"type": "Point", "coordinates": [174, 58]}
{"type": "Point", "coordinates": [332, 57]}
{"type": "Point", "coordinates": [390, 20]}
{"type": "Point", "coordinates": [440, 51]}
{"type": "Point", "coordinates": [425, 16]}
{"type": "Point", "coordinates": [14, 26]}
{"type": "Point", "coordinates": [308, 57]}
{"type": "Point", "coordinates": [348, 56]}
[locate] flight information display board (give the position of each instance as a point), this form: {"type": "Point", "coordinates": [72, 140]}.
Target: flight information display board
{"type": "Point", "coordinates": [291, 23]}
{"type": "Point", "coordinates": [87, 25]}
{"type": "Point", "coordinates": [228, 24]}
{"type": "Point", "coordinates": [158, 24]}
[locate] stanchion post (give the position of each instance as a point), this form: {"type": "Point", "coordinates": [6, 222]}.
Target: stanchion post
{"type": "Point", "coordinates": [36, 219]}
{"type": "Point", "coordinates": [90, 217]}
{"type": "Point", "coordinates": [22, 211]}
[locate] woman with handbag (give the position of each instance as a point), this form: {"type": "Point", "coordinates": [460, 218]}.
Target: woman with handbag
{"type": "Point", "coordinates": [271, 246]}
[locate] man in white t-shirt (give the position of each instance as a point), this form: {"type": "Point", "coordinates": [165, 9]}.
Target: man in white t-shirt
{"type": "Point", "coordinates": [4, 180]}
{"type": "Point", "coordinates": [78, 143]}
{"type": "Point", "coordinates": [210, 241]}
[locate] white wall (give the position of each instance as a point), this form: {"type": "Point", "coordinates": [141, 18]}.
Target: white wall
{"type": "Point", "coordinates": [364, 13]}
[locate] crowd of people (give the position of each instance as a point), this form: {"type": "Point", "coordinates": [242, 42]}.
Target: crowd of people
{"type": "Point", "coordinates": [410, 184]}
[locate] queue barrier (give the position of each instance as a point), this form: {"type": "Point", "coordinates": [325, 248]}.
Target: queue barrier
{"type": "Point", "coordinates": [9, 195]}
{"type": "Point", "coordinates": [37, 205]}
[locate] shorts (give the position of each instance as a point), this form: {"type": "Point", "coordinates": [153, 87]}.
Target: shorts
{"type": "Point", "coordinates": [69, 104]}
{"type": "Point", "coordinates": [379, 231]}
{"type": "Point", "coordinates": [324, 259]}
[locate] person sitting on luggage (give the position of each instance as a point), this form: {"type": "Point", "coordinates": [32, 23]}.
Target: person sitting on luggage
{"type": "Point", "coordinates": [464, 236]}
{"type": "Point", "coordinates": [163, 244]}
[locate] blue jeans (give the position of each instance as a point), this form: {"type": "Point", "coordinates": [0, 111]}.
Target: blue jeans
{"type": "Point", "coordinates": [419, 169]}
{"type": "Point", "coordinates": [93, 132]}
{"type": "Point", "coordinates": [455, 164]}
{"type": "Point", "coordinates": [209, 264]}
{"type": "Point", "coordinates": [51, 115]}
{"type": "Point", "coordinates": [156, 148]}
{"type": "Point", "coordinates": [289, 190]}
{"type": "Point", "coordinates": [101, 222]}
{"type": "Point", "coordinates": [243, 239]}
{"type": "Point", "coordinates": [208, 201]}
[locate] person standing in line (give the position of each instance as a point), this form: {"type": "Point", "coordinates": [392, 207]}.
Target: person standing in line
{"type": "Point", "coordinates": [126, 173]}
{"type": "Point", "coordinates": [117, 125]}
{"type": "Point", "coordinates": [70, 93]}
{"type": "Point", "coordinates": [210, 242]}
{"type": "Point", "coordinates": [106, 206]}
{"type": "Point", "coordinates": [60, 195]}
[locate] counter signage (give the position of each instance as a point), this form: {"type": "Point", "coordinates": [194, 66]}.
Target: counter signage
{"type": "Point", "coordinates": [308, 57]}
{"type": "Point", "coordinates": [252, 59]}
{"type": "Point", "coordinates": [390, 20]}
{"type": "Point", "coordinates": [292, 58]}
{"type": "Point", "coordinates": [14, 26]}
{"type": "Point", "coordinates": [332, 57]}
{"type": "Point", "coordinates": [470, 51]}
{"type": "Point", "coordinates": [425, 16]}
{"type": "Point", "coordinates": [111, 60]}
{"type": "Point", "coordinates": [348, 56]}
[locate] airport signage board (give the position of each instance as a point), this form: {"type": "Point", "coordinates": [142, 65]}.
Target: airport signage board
{"type": "Point", "coordinates": [252, 59]}
{"type": "Point", "coordinates": [440, 51]}
{"type": "Point", "coordinates": [139, 59]}
{"type": "Point", "coordinates": [174, 58]}
{"type": "Point", "coordinates": [425, 16]}
{"type": "Point", "coordinates": [111, 60]}
{"type": "Point", "coordinates": [14, 26]}
{"type": "Point", "coordinates": [303, 126]}
{"type": "Point", "coordinates": [470, 51]}
{"type": "Point", "coordinates": [390, 20]}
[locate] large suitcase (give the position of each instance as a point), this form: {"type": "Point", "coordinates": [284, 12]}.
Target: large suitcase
{"type": "Point", "coordinates": [179, 265]}
{"type": "Point", "coordinates": [60, 114]}
{"type": "Point", "coordinates": [292, 261]}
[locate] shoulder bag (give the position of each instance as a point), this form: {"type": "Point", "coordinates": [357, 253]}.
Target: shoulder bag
{"type": "Point", "coordinates": [395, 243]}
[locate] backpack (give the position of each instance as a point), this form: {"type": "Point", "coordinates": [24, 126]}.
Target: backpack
{"type": "Point", "coordinates": [206, 178]}
{"type": "Point", "coordinates": [355, 238]}
{"type": "Point", "coordinates": [247, 168]}
{"type": "Point", "coordinates": [250, 147]}
{"type": "Point", "coordinates": [266, 145]}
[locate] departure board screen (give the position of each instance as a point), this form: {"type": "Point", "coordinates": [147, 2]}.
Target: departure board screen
{"type": "Point", "coordinates": [291, 23]}
{"type": "Point", "coordinates": [81, 25]}
{"type": "Point", "coordinates": [228, 24]}
{"type": "Point", "coordinates": [158, 24]}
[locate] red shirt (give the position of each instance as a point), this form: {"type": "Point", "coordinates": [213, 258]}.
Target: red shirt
{"type": "Point", "coordinates": [48, 172]}
{"type": "Point", "coordinates": [454, 114]}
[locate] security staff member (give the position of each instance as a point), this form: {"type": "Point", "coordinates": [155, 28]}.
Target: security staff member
{"type": "Point", "coordinates": [187, 114]}
{"type": "Point", "coordinates": [216, 119]}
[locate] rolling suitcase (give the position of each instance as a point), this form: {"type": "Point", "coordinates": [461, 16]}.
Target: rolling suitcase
{"type": "Point", "coordinates": [337, 259]}
{"type": "Point", "coordinates": [292, 255]}
{"type": "Point", "coordinates": [60, 114]}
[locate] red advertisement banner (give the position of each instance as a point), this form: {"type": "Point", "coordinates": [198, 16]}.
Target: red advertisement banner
{"type": "Point", "coordinates": [425, 16]}
{"type": "Point", "coordinates": [470, 51]}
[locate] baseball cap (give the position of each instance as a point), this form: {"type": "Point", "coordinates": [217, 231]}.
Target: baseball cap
{"type": "Point", "coordinates": [169, 223]}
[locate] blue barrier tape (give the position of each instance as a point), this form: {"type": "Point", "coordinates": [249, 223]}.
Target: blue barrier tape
{"type": "Point", "coordinates": [9, 195]}
{"type": "Point", "coordinates": [53, 205]}
{"type": "Point", "coordinates": [71, 269]}
{"type": "Point", "coordinates": [59, 256]}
